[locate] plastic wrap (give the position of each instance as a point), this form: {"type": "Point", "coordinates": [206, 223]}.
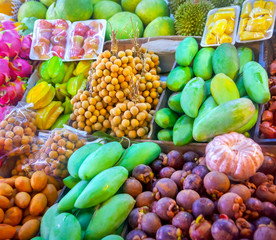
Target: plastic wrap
{"type": "Point", "coordinates": [221, 26]}
{"type": "Point", "coordinates": [257, 21]}
{"type": "Point", "coordinates": [52, 158]}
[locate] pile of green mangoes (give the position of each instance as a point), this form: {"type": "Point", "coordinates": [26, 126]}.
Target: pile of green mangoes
{"type": "Point", "coordinates": [217, 91]}
{"type": "Point", "coordinates": [95, 207]}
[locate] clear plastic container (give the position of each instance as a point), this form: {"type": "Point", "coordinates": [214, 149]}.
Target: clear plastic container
{"type": "Point", "coordinates": [76, 41]}
{"type": "Point", "coordinates": [221, 26]}
{"type": "Point", "coordinates": [257, 21]}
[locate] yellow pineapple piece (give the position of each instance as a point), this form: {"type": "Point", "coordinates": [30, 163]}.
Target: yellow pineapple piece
{"type": "Point", "coordinates": [257, 25]}
{"type": "Point", "coordinates": [269, 21]}
{"type": "Point", "coordinates": [219, 27]}
{"type": "Point", "coordinates": [257, 12]}
{"type": "Point", "coordinates": [230, 27]}
{"type": "Point", "coordinates": [245, 36]}
{"type": "Point", "coordinates": [210, 39]}
{"type": "Point", "coordinates": [259, 3]}
{"type": "Point", "coordinates": [226, 9]}
{"type": "Point", "coordinates": [246, 10]}
{"type": "Point", "coordinates": [224, 15]}
{"type": "Point", "coordinates": [270, 6]}
{"type": "Point", "coordinates": [225, 39]}
{"type": "Point", "coordinates": [210, 20]}
{"type": "Point", "coordinates": [243, 25]}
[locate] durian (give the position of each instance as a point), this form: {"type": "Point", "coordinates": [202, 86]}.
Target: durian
{"type": "Point", "coordinates": [222, 3]}
{"type": "Point", "coordinates": [174, 4]}
{"type": "Point", "coordinates": [190, 17]}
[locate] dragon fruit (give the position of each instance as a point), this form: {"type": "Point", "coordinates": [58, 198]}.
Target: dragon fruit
{"type": "Point", "coordinates": [26, 47]}
{"type": "Point", "coordinates": [20, 67]}
{"type": "Point", "coordinates": [4, 70]}
{"type": "Point", "coordinates": [12, 92]}
{"type": "Point", "coordinates": [4, 111]}
{"type": "Point", "coordinates": [8, 24]}
{"type": "Point", "coordinates": [10, 43]}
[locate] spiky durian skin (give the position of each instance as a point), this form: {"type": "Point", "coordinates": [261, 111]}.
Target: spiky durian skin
{"type": "Point", "coordinates": [190, 17]}
{"type": "Point", "coordinates": [222, 3]}
{"type": "Point", "coordinates": [174, 4]}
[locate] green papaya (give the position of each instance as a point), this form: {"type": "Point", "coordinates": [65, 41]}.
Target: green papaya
{"type": "Point", "coordinates": [113, 237]}
{"type": "Point", "coordinates": [186, 51]}
{"type": "Point", "coordinates": [252, 121]}
{"type": "Point", "coordinates": [240, 86]}
{"type": "Point", "coordinates": [225, 118]}
{"type": "Point", "coordinates": [103, 158]}
{"type": "Point", "coordinates": [202, 65]}
{"type": "Point", "coordinates": [47, 221]}
{"type": "Point", "coordinates": [147, 152]}
{"type": "Point", "coordinates": [84, 216]}
{"type": "Point", "coordinates": [255, 81]}
{"type": "Point", "coordinates": [109, 216]}
{"type": "Point", "coordinates": [245, 55]}
{"type": "Point", "coordinates": [183, 131]}
{"type": "Point", "coordinates": [102, 187]}
{"type": "Point", "coordinates": [178, 78]}
{"type": "Point", "coordinates": [68, 201]}
{"type": "Point", "coordinates": [70, 181]}
{"type": "Point", "coordinates": [174, 102]}
{"type": "Point", "coordinates": [65, 226]}
{"type": "Point", "coordinates": [165, 118]}
{"type": "Point", "coordinates": [226, 60]}
{"type": "Point", "coordinates": [208, 87]}
{"type": "Point", "coordinates": [192, 96]}
{"type": "Point", "coordinates": [165, 135]}
{"type": "Point", "coordinates": [208, 105]}
{"type": "Point", "coordinates": [224, 89]}
{"type": "Point", "coordinates": [79, 156]}
{"type": "Point", "coordinates": [121, 228]}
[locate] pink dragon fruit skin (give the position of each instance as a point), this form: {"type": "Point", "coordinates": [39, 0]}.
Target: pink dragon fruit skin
{"type": "Point", "coordinates": [7, 24]}
{"type": "Point", "coordinates": [20, 67]}
{"type": "Point", "coordinates": [4, 71]}
{"type": "Point", "coordinates": [10, 43]}
{"type": "Point", "coordinates": [26, 47]}
{"type": "Point", "coordinates": [12, 92]}
{"type": "Point", "coordinates": [4, 111]}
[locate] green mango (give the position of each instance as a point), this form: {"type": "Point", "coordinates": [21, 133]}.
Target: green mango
{"type": "Point", "coordinates": [65, 226]}
{"type": "Point", "coordinates": [63, 119]}
{"type": "Point", "coordinates": [165, 135]}
{"type": "Point", "coordinates": [224, 118]}
{"type": "Point", "coordinates": [208, 87]}
{"type": "Point", "coordinates": [84, 216]}
{"type": "Point", "coordinates": [202, 65]}
{"type": "Point", "coordinates": [79, 156]}
{"type": "Point", "coordinates": [102, 187]}
{"type": "Point", "coordinates": [174, 102]}
{"type": "Point", "coordinates": [256, 83]}
{"type": "Point", "coordinates": [186, 51]}
{"type": "Point", "coordinates": [147, 152]}
{"type": "Point", "coordinates": [68, 201]}
{"type": "Point", "coordinates": [183, 131]}
{"type": "Point", "coordinates": [109, 216]}
{"type": "Point", "coordinates": [121, 228]}
{"type": "Point", "coordinates": [76, 83]}
{"type": "Point", "coordinates": [245, 55]}
{"type": "Point", "coordinates": [178, 78]}
{"type": "Point", "coordinates": [240, 86]}
{"type": "Point", "coordinates": [47, 221]}
{"type": "Point", "coordinates": [70, 181]}
{"type": "Point", "coordinates": [113, 237]}
{"type": "Point", "coordinates": [224, 89]}
{"type": "Point", "coordinates": [165, 118]}
{"type": "Point", "coordinates": [226, 60]}
{"type": "Point", "coordinates": [192, 96]}
{"type": "Point", "coordinates": [103, 158]}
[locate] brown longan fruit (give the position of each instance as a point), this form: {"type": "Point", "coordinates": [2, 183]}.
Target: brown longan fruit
{"type": "Point", "coordinates": [130, 59]}
{"type": "Point", "coordinates": [73, 116]}
{"type": "Point", "coordinates": [134, 123]}
{"type": "Point", "coordinates": [134, 110]}
{"type": "Point", "coordinates": [99, 105]}
{"type": "Point", "coordinates": [141, 132]}
{"type": "Point", "coordinates": [103, 112]}
{"type": "Point", "coordinates": [114, 68]}
{"type": "Point", "coordinates": [117, 86]}
{"type": "Point", "coordinates": [85, 104]}
{"type": "Point", "coordinates": [93, 119]}
{"type": "Point", "coordinates": [123, 107]}
{"type": "Point", "coordinates": [149, 118]}
{"type": "Point", "coordinates": [124, 85]}
{"type": "Point", "coordinates": [126, 72]}
{"type": "Point", "coordinates": [91, 108]}
{"type": "Point", "coordinates": [88, 114]}
{"type": "Point", "coordinates": [141, 116]}
{"type": "Point", "coordinates": [98, 126]}
{"type": "Point", "coordinates": [149, 99]}
{"type": "Point", "coordinates": [99, 73]}
{"type": "Point", "coordinates": [124, 60]}
{"type": "Point", "coordinates": [108, 65]}
{"type": "Point", "coordinates": [101, 118]}
{"type": "Point", "coordinates": [81, 111]}
{"type": "Point", "coordinates": [132, 134]}
{"type": "Point", "coordinates": [153, 95]}
{"type": "Point", "coordinates": [118, 62]}
{"type": "Point", "coordinates": [107, 54]}
{"type": "Point", "coordinates": [114, 74]}
{"type": "Point", "coordinates": [106, 124]}
{"type": "Point", "coordinates": [88, 122]}
{"type": "Point", "coordinates": [163, 84]}
{"type": "Point", "coordinates": [155, 101]}
{"type": "Point", "coordinates": [142, 87]}
{"type": "Point", "coordinates": [114, 81]}
{"type": "Point", "coordinates": [107, 99]}
{"type": "Point", "coordinates": [98, 98]}
{"type": "Point", "coordinates": [149, 85]}
{"type": "Point", "coordinates": [75, 124]}
{"type": "Point", "coordinates": [121, 54]}
{"type": "Point", "coordinates": [127, 114]}
{"type": "Point", "coordinates": [96, 113]}
{"type": "Point", "coordinates": [141, 106]}
{"type": "Point", "coordinates": [117, 111]}
{"type": "Point", "coordinates": [106, 72]}
{"type": "Point", "coordinates": [146, 93]}
{"type": "Point", "coordinates": [120, 133]}
{"type": "Point", "coordinates": [116, 120]}
{"type": "Point", "coordinates": [88, 129]}
{"type": "Point", "coordinates": [126, 123]}
{"type": "Point", "coordinates": [80, 118]}
{"type": "Point", "coordinates": [120, 95]}
{"type": "Point", "coordinates": [128, 52]}
{"type": "Point", "coordinates": [107, 79]}
{"type": "Point", "coordinates": [83, 97]}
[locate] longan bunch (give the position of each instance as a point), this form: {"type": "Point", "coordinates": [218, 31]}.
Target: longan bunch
{"type": "Point", "coordinates": [130, 119]}
{"type": "Point", "coordinates": [91, 113]}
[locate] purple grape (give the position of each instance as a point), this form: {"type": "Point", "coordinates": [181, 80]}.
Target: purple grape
{"type": "Point", "coordinates": [269, 210]}
{"type": "Point", "coordinates": [200, 229]}
{"type": "Point", "coordinates": [143, 173]}
{"type": "Point", "coordinates": [246, 228]}
{"type": "Point", "coordinates": [265, 233]}
{"type": "Point", "coordinates": [175, 160]}
{"type": "Point", "coordinates": [203, 206]}
{"type": "Point", "coordinates": [224, 229]}
{"type": "Point", "coordinates": [166, 172]}
{"type": "Point", "coordinates": [190, 156]}
{"type": "Point", "coordinates": [254, 207]}
{"type": "Point", "coordinates": [145, 199]}
{"type": "Point", "coordinates": [240, 189]}
{"type": "Point", "coordinates": [266, 192]}
{"type": "Point", "coordinates": [231, 204]}
{"type": "Point", "coordinates": [216, 183]}
{"type": "Point", "coordinates": [156, 166]}
{"type": "Point", "coordinates": [135, 215]}
{"type": "Point", "coordinates": [193, 182]}
{"type": "Point", "coordinates": [132, 187]}
{"type": "Point", "coordinates": [189, 166]}
{"type": "Point", "coordinates": [150, 223]}
{"type": "Point", "coordinates": [264, 221]}
{"type": "Point", "coordinates": [165, 187]}
{"type": "Point", "coordinates": [258, 178]}
{"type": "Point", "coordinates": [166, 208]}
{"type": "Point", "coordinates": [168, 232]}
{"type": "Point", "coordinates": [183, 220]}
{"type": "Point", "coordinates": [201, 171]}
{"type": "Point", "coordinates": [178, 177]}
{"type": "Point", "coordinates": [269, 165]}
{"type": "Point", "coordinates": [186, 198]}
{"type": "Point", "coordinates": [136, 235]}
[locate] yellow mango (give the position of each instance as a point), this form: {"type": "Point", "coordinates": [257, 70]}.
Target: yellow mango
{"type": "Point", "coordinates": [230, 27]}
{"type": "Point", "coordinates": [210, 39]}
{"type": "Point", "coordinates": [270, 6]}
{"type": "Point", "coordinates": [225, 39]}
{"type": "Point", "coordinates": [246, 10]}
{"type": "Point", "coordinates": [257, 12]}
{"type": "Point", "coordinates": [224, 15]}
{"type": "Point", "coordinates": [243, 25]}
{"type": "Point", "coordinates": [256, 25]}
{"type": "Point", "coordinates": [260, 3]}
{"type": "Point", "coordinates": [219, 27]}
{"type": "Point", "coordinates": [210, 20]}
{"type": "Point", "coordinates": [245, 36]}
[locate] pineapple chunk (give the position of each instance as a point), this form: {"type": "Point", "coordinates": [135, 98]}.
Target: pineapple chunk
{"type": "Point", "coordinates": [219, 27]}
{"type": "Point", "coordinates": [224, 15]}
{"type": "Point", "coordinates": [251, 36]}
{"type": "Point", "coordinates": [257, 25]}
{"type": "Point", "coordinates": [226, 9]}
{"type": "Point", "coordinates": [257, 12]}
{"type": "Point", "coordinates": [210, 20]}
{"type": "Point", "coordinates": [210, 39]}
{"type": "Point", "coordinates": [270, 6]}
{"type": "Point", "coordinates": [225, 39]}
{"type": "Point", "coordinates": [259, 3]}
{"type": "Point", "coordinates": [230, 27]}
{"type": "Point", "coordinates": [269, 21]}
{"type": "Point", "coordinates": [246, 10]}
{"type": "Point", "coordinates": [243, 24]}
